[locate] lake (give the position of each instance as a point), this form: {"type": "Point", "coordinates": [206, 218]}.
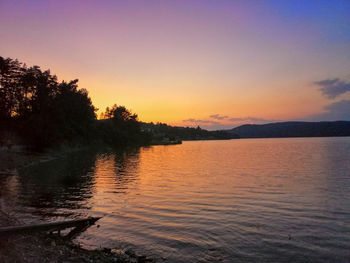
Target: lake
{"type": "Point", "coordinates": [248, 200]}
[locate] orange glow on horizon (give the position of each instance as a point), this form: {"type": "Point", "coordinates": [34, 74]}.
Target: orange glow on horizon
{"type": "Point", "coordinates": [178, 61]}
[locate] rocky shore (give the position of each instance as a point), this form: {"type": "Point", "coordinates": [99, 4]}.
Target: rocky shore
{"type": "Point", "coordinates": [48, 248]}
{"type": "Point", "coordinates": [43, 247]}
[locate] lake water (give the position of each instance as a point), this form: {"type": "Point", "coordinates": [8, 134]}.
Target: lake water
{"type": "Point", "coordinates": [248, 200]}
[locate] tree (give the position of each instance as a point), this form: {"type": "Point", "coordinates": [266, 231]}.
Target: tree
{"type": "Point", "coordinates": [11, 94]}
{"type": "Point", "coordinates": [44, 112]}
{"type": "Point", "coordinates": [41, 110]}
{"type": "Point", "coordinates": [120, 127]}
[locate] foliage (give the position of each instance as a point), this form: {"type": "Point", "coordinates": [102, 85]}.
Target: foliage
{"type": "Point", "coordinates": [161, 131]}
{"type": "Point", "coordinates": [44, 112]}
{"type": "Point", "coordinates": [41, 110]}
{"type": "Point", "coordinates": [120, 127]}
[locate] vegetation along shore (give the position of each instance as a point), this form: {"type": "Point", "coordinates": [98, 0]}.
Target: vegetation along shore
{"type": "Point", "coordinates": [42, 119]}
{"type": "Point", "coordinates": [38, 111]}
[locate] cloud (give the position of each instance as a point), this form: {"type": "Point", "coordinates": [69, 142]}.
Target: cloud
{"type": "Point", "coordinates": [201, 122]}
{"type": "Point", "coordinates": [339, 110]}
{"type": "Point", "coordinates": [218, 117]}
{"type": "Point", "coordinates": [225, 122]}
{"type": "Point", "coordinates": [251, 119]}
{"type": "Point", "coordinates": [331, 88]}
{"type": "Point", "coordinates": [239, 119]}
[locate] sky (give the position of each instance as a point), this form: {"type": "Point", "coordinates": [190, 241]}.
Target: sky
{"type": "Point", "coordinates": [212, 63]}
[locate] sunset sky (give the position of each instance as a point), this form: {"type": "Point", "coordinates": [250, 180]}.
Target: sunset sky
{"type": "Point", "coordinates": [213, 63]}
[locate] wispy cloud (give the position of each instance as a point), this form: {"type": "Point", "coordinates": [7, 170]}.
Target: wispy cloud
{"type": "Point", "coordinates": [238, 119]}
{"type": "Point", "coordinates": [218, 121]}
{"type": "Point", "coordinates": [201, 122]}
{"type": "Point", "coordinates": [332, 88]}
{"type": "Point", "coordinates": [251, 120]}
{"type": "Point", "coordinates": [218, 117]}
{"type": "Point", "coordinates": [335, 111]}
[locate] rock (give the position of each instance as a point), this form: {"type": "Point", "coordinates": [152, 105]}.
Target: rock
{"type": "Point", "coordinates": [107, 250]}
{"type": "Point", "coordinates": [143, 259]}
{"type": "Point", "coordinates": [130, 252]}
{"type": "Point", "coordinates": [117, 251]}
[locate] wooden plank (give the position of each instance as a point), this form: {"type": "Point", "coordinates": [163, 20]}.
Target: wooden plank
{"type": "Point", "coordinates": [53, 226]}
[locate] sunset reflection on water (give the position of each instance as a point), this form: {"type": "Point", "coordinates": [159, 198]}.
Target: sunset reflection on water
{"type": "Point", "coordinates": [254, 200]}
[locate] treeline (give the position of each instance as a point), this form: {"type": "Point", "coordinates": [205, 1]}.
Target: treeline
{"type": "Point", "coordinates": [42, 112]}
{"type": "Point", "coordinates": [161, 131]}
{"type": "Point", "coordinates": [38, 111]}
{"type": "Point", "coordinates": [293, 129]}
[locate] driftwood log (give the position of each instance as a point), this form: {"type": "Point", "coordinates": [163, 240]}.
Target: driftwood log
{"type": "Point", "coordinates": [78, 225]}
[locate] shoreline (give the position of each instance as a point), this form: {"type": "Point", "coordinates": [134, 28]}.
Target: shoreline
{"type": "Point", "coordinates": [43, 247]}
{"type": "Point", "coordinates": [47, 248]}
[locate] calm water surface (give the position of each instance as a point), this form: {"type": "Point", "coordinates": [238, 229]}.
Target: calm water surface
{"type": "Point", "coordinates": [252, 200]}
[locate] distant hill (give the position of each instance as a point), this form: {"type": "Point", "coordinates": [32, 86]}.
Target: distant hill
{"type": "Point", "coordinates": [293, 129]}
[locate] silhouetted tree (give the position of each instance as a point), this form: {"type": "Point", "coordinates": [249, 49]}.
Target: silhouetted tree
{"type": "Point", "coordinates": [44, 113]}
{"type": "Point", "coordinates": [120, 127]}
{"type": "Point", "coordinates": [11, 93]}
{"type": "Point", "coordinates": [41, 110]}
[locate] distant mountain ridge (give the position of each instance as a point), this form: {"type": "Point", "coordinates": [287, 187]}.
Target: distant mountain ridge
{"type": "Point", "coordinates": [293, 129]}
